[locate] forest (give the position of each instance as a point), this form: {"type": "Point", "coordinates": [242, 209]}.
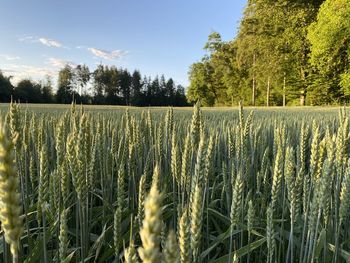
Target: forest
{"type": "Point", "coordinates": [105, 85]}
{"type": "Point", "coordinates": [286, 52]}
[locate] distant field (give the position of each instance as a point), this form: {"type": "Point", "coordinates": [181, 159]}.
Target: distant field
{"type": "Point", "coordinates": [112, 107]}
{"type": "Point", "coordinates": [214, 114]}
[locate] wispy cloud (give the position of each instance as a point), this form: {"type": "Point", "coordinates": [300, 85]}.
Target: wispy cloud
{"type": "Point", "coordinates": [9, 57]}
{"type": "Point", "coordinates": [108, 55]}
{"type": "Point", "coordinates": [9, 71]}
{"type": "Point", "coordinates": [26, 39]}
{"type": "Point", "coordinates": [60, 63]}
{"type": "Point", "coordinates": [49, 42]}
{"type": "Point", "coordinates": [25, 71]}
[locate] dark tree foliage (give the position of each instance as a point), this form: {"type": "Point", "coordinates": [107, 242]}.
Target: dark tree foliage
{"type": "Point", "coordinates": [125, 86]}
{"type": "Point", "coordinates": [115, 86]}
{"type": "Point", "coordinates": [105, 85]}
{"type": "Point", "coordinates": [28, 92]}
{"type": "Point", "coordinates": [65, 91]}
{"type": "Point", "coordinates": [47, 95]}
{"type": "Point", "coordinates": [136, 88]}
{"type": "Point", "coordinates": [6, 88]}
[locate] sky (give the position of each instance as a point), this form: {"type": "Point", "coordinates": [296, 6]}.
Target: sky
{"type": "Point", "coordinates": [38, 37]}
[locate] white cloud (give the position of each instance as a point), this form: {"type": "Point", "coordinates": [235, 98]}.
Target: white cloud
{"type": "Point", "coordinates": [9, 57]}
{"type": "Point", "coordinates": [9, 71]}
{"type": "Point", "coordinates": [43, 40]}
{"type": "Point", "coordinates": [20, 72]}
{"type": "Point", "coordinates": [26, 39]}
{"type": "Point", "coordinates": [49, 42]}
{"type": "Point", "coordinates": [60, 63]}
{"type": "Point", "coordinates": [108, 55]}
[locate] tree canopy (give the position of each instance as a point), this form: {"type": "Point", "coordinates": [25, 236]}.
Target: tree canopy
{"type": "Point", "coordinates": [329, 36]}
{"type": "Point", "coordinates": [105, 85]}
{"type": "Point", "coordinates": [285, 53]}
{"type": "Point", "coordinates": [6, 88]}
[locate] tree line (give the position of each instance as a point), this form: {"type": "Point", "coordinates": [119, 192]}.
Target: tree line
{"type": "Point", "coordinates": [286, 52]}
{"type": "Point", "coordinates": [105, 85]}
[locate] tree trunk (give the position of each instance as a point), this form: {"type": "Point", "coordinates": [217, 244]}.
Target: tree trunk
{"type": "Point", "coordinates": [268, 93]}
{"type": "Point", "coordinates": [303, 91]}
{"type": "Point", "coordinates": [284, 90]}
{"type": "Point", "coordinates": [253, 92]}
{"type": "Point", "coordinates": [302, 98]}
{"type": "Point", "coordinates": [253, 88]}
{"type": "Point", "coordinates": [303, 79]}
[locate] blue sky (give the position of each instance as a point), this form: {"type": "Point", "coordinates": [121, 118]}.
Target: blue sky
{"type": "Point", "coordinates": [155, 36]}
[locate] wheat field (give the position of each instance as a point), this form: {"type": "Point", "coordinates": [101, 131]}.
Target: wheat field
{"type": "Point", "coordinates": [118, 184]}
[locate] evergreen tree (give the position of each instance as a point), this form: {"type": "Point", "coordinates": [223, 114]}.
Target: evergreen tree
{"type": "Point", "coordinates": [125, 86]}
{"type": "Point", "coordinates": [136, 88]}
{"type": "Point", "coordinates": [65, 85]}
{"type": "Point", "coordinates": [47, 95]}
